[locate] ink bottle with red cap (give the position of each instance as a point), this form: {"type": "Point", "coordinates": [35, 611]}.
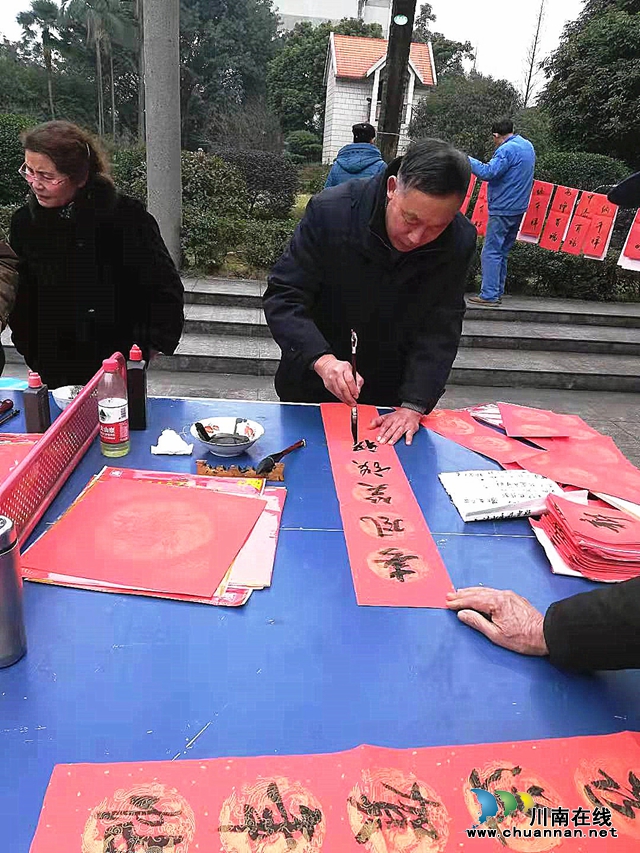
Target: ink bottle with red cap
{"type": "Point", "coordinates": [137, 389]}
{"type": "Point", "coordinates": [37, 413]}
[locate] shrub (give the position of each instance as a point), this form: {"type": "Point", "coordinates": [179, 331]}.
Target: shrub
{"type": "Point", "coordinates": [272, 181]}
{"type": "Point", "coordinates": [536, 272]}
{"type": "Point", "coordinates": [311, 178]}
{"type": "Point", "coordinates": [6, 212]}
{"type": "Point", "coordinates": [207, 182]}
{"type": "Point", "coordinates": [303, 143]}
{"type": "Point", "coordinates": [207, 238]}
{"type": "Point", "coordinates": [262, 243]}
{"type": "Point", "coordinates": [13, 189]}
{"type": "Point", "coordinates": [580, 169]}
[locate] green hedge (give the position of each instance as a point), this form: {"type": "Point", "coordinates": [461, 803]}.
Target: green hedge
{"type": "Point", "coordinates": [580, 169]}
{"type": "Point", "coordinates": [262, 243]}
{"type": "Point", "coordinates": [312, 177]}
{"type": "Point", "coordinates": [271, 181]}
{"type": "Point", "coordinates": [533, 271]}
{"type": "Point", "coordinates": [6, 212]}
{"type": "Point", "coordinates": [13, 188]}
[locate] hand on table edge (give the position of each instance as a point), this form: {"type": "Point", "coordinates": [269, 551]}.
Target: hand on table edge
{"type": "Point", "coordinates": [396, 424]}
{"type": "Point", "coordinates": [512, 622]}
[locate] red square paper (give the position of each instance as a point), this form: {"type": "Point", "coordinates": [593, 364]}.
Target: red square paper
{"type": "Point", "coordinates": [632, 246]}
{"type": "Point", "coordinates": [146, 535]}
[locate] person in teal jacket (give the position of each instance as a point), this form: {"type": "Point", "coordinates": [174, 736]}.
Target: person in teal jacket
{"type": "Point", "coordinates": [510, 177]}
{"type": "Point", "coordinates": [359, 159]}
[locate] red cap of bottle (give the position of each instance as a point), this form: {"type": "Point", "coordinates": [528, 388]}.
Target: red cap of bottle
{"type": "Point", "coordinates": [110, 365]}
{"type": "Point", "coordinates": [34, 380]}
{"type": "Point", "coordinates": [136, 353]}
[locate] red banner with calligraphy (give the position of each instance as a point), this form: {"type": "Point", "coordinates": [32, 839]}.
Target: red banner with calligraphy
{"type": "Point", "coordinates": [575, 794]}
{"type": "Point", "coordinates": [534, 218]}
{"type": "Point", "coordinates": [480, 216]}
{"type": "Point", "coordinates": [467, 199]}
{"type": "Point", "coordinates": [632, 246]}
{"type": "Point", "coordinates": [394, 559]}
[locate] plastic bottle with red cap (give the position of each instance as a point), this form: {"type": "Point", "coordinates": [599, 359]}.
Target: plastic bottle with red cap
{"type": "Point", "coordinates": [37, 412]}
{"type": "Point", "coordinates": [137, 389]}
{"type": "Point", "coordinates": [113, 410]}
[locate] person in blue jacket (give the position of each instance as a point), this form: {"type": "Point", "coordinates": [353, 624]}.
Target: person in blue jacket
{"type": "Point", "coordinates": [510, 177]}
{"type": "Point", "coordinates": [360, 159]}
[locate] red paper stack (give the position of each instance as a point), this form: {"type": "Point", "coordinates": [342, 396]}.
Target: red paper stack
{"type": "Point", "coordinates": [180, 536]}
{"type": "Point", "coordinates": [600, 543]}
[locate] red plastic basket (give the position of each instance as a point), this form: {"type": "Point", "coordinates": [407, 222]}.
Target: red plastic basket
{"type": "Point", "coordinates": [27, 492]}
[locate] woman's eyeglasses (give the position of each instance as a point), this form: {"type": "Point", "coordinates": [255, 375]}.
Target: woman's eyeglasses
{"type": "Point", "coordinates": [31, 175]}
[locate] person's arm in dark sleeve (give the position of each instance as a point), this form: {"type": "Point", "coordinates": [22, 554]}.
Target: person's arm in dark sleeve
{"type": "Point", "coordinates": [434, 350]}
{"type": "Point", "coordinates": [293, 287]}
{"type": "Point", "coordinates": [596, 630]}
{"type": "Point", "coordinates": [162, 286]}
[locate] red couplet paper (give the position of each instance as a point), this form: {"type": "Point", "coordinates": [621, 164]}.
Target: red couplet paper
{"type": "Point", "coordinates": [526, 422]}
{"type": "Point", "coordinates": [564, 200]}
{"type": "Point", "coordinates": [598, 237]}
{"type": "Point", "coordinates": [534, 218]}
{"type": "Point", "coordinates": [586, 203]}
{"type": "Point", "coordinates": [576, 235]}
{"type": "Point", "coordinates": [467, 198]}
{"type": "Point", "coordinates": [394, 559]}
{"type": "Point", "coordinates": [590, 464]}
{"type": "Point", "coordinates": [480, 216]}
{"type": "Point", "coordinates": [462, 428]}
{"type": "Point", "coordinates": [632, 246]}
{"type": "Point", "coordinates": [11, 455]}
{"type": "Point", "coordinates": [554, 230]}
{"type": "Point", "coordinates": [145, 535]}
{"type": "Point", "coordinates": [369, 799]}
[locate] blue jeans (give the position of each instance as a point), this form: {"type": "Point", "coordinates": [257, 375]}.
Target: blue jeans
{"type": "Point", "coordinates": [498, 242]}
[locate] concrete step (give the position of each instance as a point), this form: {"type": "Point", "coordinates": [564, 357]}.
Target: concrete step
{"type": "Point", "coordinates": [534, 309]}
{"type": "Point", "coordinates": [242, 293]}
{"type": "Point", "coordinates": [570, 371]}
{"type": "Point", "coordinates": [225, 320]}
{"type": "Point", "coordinates": [550, 337]}
{"type": "Point", "coordinates": [256, 356]}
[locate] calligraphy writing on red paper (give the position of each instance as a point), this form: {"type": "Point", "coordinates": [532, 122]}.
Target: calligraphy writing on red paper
{"type": "Point", "coordinates": [382, 526]}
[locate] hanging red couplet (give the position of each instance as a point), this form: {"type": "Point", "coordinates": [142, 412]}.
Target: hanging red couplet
{"type": "Point", "coordinates": [480, 216]}
{"type": "Point", "coordinates": [467, 198]}
{"type": "Point", "coordinates": [534, 218]}
{"type": "Point", "coordinates": [394, 559]}
{"type": "Point", "coordinates": [632, 246]}
{"type": "Point", "coordinates": [564, 200]}
{"type": "Point", "coordinates": [598, 236]}
{"type": "Point", "coordinates": [576, 235]}
{"type": "Point", "coordinates": [554, 230]}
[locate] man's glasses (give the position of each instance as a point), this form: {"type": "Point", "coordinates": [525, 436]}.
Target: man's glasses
{"type": "Point", "coordinates": [31, 175]}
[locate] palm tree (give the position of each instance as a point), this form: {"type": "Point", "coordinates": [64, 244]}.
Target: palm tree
{"type": "Point", "coordinates": [107, 22]}
{"type": "Point", "coordinates": [44, 16]}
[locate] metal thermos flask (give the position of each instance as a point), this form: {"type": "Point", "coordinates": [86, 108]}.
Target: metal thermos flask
{"type": "Point", "coordinates": [13, 641]}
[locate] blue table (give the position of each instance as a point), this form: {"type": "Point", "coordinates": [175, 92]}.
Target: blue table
{"type": "Point", "coordinates": [301, 668]}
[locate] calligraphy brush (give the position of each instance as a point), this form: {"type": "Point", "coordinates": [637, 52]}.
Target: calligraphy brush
{"type": "Point", "coordinates": [269, 462]}
{"type": "Point", "coordinates": [10, 415]}
{"type": "Point", "coordinates": [354, 410]}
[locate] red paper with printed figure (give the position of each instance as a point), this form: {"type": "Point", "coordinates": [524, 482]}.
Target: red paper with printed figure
{"type": "Point", "coordinates": [140, 534]}
{"type": "Point", "coordinates": [462, 428]}
{"type": "Point", "coordinates": [533, 796]}
{"type": "Point", "coordinates": [394, 559]}
{"type": "Point", "coordinates": [527, 422]}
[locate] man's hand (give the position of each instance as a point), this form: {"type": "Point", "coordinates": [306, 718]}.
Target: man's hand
{"type": "Point", "coordinates": [512, 622]}
{"type": "Point", "coordinates": [338, 379]}
{"type": "Point", "coordinates": [396, 424]}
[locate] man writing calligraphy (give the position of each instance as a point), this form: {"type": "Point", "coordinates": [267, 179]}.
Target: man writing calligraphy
{"type": "Point", "coordinates": [387, 257]}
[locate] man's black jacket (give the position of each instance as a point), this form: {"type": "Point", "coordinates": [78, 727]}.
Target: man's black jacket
{"type": "Point", "coordinates": [340, 273]}
{"type": "Point", "coordinates": [596, 630]}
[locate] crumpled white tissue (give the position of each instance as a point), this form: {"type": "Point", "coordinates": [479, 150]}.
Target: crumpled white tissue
{"type": "Point", "coordinates": [170, 444]}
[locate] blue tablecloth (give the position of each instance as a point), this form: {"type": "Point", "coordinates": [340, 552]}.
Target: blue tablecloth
{"type": "Point", "coordinates": [301, 668]}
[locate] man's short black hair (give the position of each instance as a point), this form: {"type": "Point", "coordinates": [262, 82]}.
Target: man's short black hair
{"type": "Point", "coordinates": [363, 132]}
{"type": "Point", "coordinates": [434, 167]}
{"type": "Point", "coordinates": [502, 127]}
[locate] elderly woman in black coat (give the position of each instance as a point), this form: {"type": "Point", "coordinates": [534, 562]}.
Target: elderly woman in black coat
{"type": "Point", "coordinates": [94, 274]}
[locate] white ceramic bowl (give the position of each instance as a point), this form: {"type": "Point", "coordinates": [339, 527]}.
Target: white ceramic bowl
{"type": "Point", "coordinates": [251, 429]}
{"type": "Point", "coordinates": [65, 394]}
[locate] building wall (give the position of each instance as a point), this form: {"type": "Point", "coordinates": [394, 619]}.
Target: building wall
{"type": "Point", "coordinates": [317, 11]}
{"type": "Point", "coordinates": [346, 105]}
